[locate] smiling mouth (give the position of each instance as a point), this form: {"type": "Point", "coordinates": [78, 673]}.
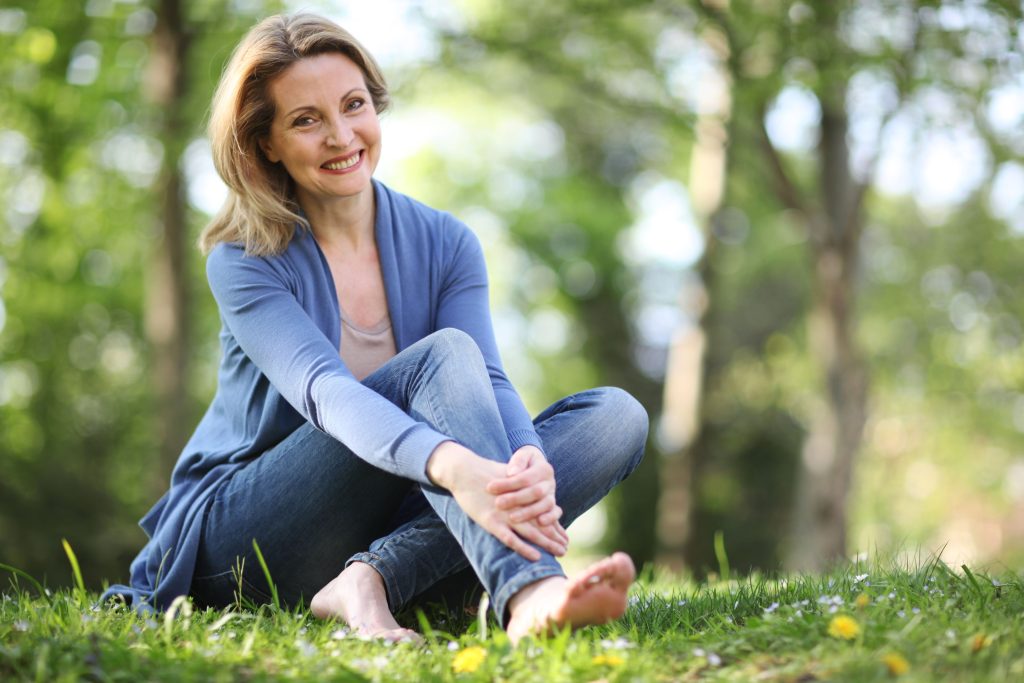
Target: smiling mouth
{"type": "Point", "coordinates": [344, 163]}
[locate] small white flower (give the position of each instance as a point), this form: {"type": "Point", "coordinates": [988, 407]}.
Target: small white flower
{"type": "Point", "coordinates": [771, 608]}
{"type": "Point", "coordinates": [714, 660]}
{"type": "Point", "coordinates": [452, 646]}
{"type": "Point", "coordinates": [380, 661]}
{"type": "Point", "coordinates": [698, 652]}
{"type": "Point", "coordinates": [339, 634]}
{"type": "Point", "coordinates": [951, 634]}
{"type": "Point", "coordinates": [681, 603]}
{"type": "Point", "coordinates": [799, 613]}
{"type": "Point", "coordinates": [892, 596]}
{"type": "Point", "coordinates": [21, 625]}
{"type": "Point", "coordinates": [916, 610]}
{"type": "Point", "coordinates": [729, 619]}
{"type": "Point", "coordinates": [859, 578]}
{"type": "Point", "coordinates": [833, 609]}
{"type": "Point", "coordinates": [901, 614]}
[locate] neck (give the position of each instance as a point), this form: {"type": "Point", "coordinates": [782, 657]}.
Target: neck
{"type": "Point", "coordinates": [345, 221]}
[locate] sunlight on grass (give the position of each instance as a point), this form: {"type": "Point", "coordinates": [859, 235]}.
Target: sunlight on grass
{"type": "Point", "coordinates": [864, 622]}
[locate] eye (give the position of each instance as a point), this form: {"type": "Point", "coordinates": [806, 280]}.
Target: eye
{"type": "Point", "coordinates": [355, 104]}
{"type": "Point", "coordinates": [303, 120]}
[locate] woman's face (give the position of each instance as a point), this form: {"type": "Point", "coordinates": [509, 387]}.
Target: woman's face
{"type": "Point", "coordinates": [325, 130]}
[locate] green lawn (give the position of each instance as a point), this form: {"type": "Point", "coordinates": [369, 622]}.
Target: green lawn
{"type": "Point", "coordinates": [865, 622]}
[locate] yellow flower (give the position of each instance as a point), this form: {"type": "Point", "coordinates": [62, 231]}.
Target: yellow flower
{"type": "Point", "coordinates": [896, 664]}
{"type": "Point", "coordinates": [844, 627]}
{"type": "Point", "coordinates": [979, 642]}
{"type": "Point", "coordinates": [862, 600]}
{"type": "Point", "coordinates": [607, 660]}
{"type": "Point", "coordinates": [469, 660]}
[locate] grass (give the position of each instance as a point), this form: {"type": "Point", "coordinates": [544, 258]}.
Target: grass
{"type": "Point", "coordinates": [860, 623]}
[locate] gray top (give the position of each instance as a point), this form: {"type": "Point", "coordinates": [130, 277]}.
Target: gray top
{"type": "Point", "coordinates": [366, 349]}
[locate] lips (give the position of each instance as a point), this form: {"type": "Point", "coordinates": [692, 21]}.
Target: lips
{"type": "Point", "coordinates": [343, 163]}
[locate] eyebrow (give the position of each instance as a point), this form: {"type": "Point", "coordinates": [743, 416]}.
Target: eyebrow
{"type": "Point", "coordinates": [310, 106]}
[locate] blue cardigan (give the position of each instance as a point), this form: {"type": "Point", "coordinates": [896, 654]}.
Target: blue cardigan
{"type": "Point", "coordinates": [280, 367]}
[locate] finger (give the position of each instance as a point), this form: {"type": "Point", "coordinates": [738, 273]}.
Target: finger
{"type": "Point", "coordinates": [550, 516]}
{"type": "Point", "coordinates": [519, 462]}
{"type": "Point", "coordinates": [519, 481]}
{"type": "Point", "coordinates": [534, 511]}
{"type": "Point", "coordinates": [511, 539]}
{"type": "Point", "coordinates": [533, 534]}
{"type": "Point", "coordinates": [525, 497]}
{"type": "Point", "coordinates": [556, 535]}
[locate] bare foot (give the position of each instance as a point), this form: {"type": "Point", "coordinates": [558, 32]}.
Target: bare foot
{"type": "Point", "coordinates": [595, 596]}
{"type": "Point", "coordinates": [357, 596]}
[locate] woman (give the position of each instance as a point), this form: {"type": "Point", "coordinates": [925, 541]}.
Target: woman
{"type": "Point", "coordinates": [363, 432]}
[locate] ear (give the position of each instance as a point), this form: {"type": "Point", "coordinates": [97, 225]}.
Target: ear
{"type": "Point", "coordinates": [268, 150]}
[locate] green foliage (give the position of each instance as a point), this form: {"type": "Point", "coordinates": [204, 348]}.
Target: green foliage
{"type": "Point", "coordinates": [941, 624]}
{"type": "Point", "coordinates": [78, 180]}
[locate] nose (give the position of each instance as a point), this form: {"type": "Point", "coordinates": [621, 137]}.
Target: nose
{"type": "Point", "coordinates": [339, 132]}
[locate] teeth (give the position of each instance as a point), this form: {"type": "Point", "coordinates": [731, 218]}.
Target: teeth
{"type": "Point", "coordinates": [342, 165]}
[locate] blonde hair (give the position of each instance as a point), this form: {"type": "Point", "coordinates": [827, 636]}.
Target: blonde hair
{"type": "Point", "coordinates": [261, 210]}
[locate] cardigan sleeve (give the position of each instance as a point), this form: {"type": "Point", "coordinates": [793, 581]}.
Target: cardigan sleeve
{"type": "Point", "coordinates": [464, 305]}
{"type": "Point", "coordinates": [275, 332]}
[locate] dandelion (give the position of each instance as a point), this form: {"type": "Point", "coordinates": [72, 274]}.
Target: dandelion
{"type": "Point", "coordinates": [469, 660]}
{"type": "Point", "coordinates": [896, 664]}
{"type": "Point", "coordinates": [843, 627]}
{"type": "Point", "coordinates": [607, 660]}
{"type": "Point", "coordinates": [862, 601]}
{"type": "Point", "coordinates": [979, 642]}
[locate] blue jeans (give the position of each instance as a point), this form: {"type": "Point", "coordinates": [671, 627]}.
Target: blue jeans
{"type": "Point", "coordinates": [314, 507]}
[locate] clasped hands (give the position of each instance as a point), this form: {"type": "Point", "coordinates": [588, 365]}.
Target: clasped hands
{"type": "Point", "coordinates": [514, 501]}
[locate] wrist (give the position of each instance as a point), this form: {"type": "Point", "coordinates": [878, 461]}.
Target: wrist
{"type": "Point", "coordinates": [445, 462]}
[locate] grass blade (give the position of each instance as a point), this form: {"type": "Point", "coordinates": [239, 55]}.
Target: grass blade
{"type": "Point", "coordinates": [75, 569]}
{"type": "Point", "coordinates": [266, 572]}
{"type": "Point", "coordinates": [721, 556]}
{"type": "Point", "coordinates": [28, 577]}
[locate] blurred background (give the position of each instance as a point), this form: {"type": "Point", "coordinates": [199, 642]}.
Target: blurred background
{"type": "Point", "coordinates": [793, 230]}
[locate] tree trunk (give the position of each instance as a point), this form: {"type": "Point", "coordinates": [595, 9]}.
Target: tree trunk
{"type": "Point", "coordinates": [686, 375]}
{"type": "Point", "coordinates": [167, 295]}
{"type": "Point", "coordinates": [826, 472]}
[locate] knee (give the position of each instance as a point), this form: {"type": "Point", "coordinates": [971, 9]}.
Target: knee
{"type": "Point", "coordinates": [630, 420]}
{"type": "Point", "coordinates": [453, 343]}
{"type": "Point", "coordinates": [457, 352]}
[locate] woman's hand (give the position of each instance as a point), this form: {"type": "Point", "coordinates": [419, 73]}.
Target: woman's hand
{"type": "Point", "coordinates": [467, 476]}
{"type": "Point", "coordinates": [527, 490]}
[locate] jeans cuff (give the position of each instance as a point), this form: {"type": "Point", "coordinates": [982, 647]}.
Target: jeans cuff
{"type": "Point", "coordinates": [391, 588]}
{"type": "Point", "coordinates": [517, 583]}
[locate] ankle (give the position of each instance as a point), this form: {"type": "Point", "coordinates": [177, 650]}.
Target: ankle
{"type": "Point", "coordinates": [531, 594]}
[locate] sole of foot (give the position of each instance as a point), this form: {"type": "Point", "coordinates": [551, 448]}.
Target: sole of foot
{"type": "Point", "coordinates": [595, 596]}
